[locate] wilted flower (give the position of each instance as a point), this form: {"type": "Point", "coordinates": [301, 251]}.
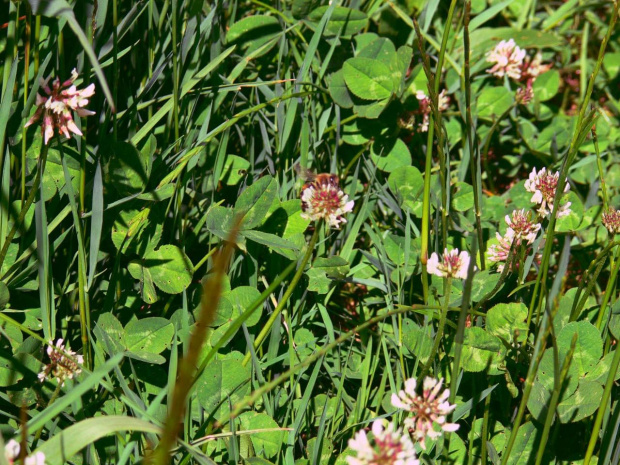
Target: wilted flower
{"type": "Point", "coordinates": [325, 200]}
{"type": "Point", "coordinates": [427, 409]}
{"type": "Point", "coordinates": [611, 220]}
{"type": "Point", "coordinates": [61, 366]}
{"type": "Point", "coordinates": [55, 108]}
{"type": "Point", "coordinates": [532, 68]}
{"type": "Point", "coordinates": [453, 264]}
{"type": "Point", "coordinates": [543, 184]}
{"type": "Point", "coordinates": [508, 59]}
{"type": "Point", "coordinates": [11, 452]}
{"type": "Point", "coordinates": [521, 227]}
{"type": "Point", "coordinates": [524, 95]}
{"type": "Point", "coordinates": [387, 447]}
{"type": "Point", "coordinates": [443, 103]}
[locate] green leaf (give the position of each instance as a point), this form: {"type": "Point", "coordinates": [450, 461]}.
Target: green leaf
{"type": "Point", "coordinates": [68, 442]}
{"type": "Point", "coordinates": [611, 63]}
{"type": "Point", "coordinates": [390, 155]}
{"type": "Point", "coordinates": [147, 286]}
{"type": "Point", "coordinates": [151, 335]}
{"type": "Point", "coordinates": [339, 91]}
{"type": "Point", "coordinates": [109, 331]}
{"type": "Point", "coordinates": [235, 169]}
{"type": "Point", "coordinates": [589, 346]}
{"type": "Point", "coordinates": [481, 351]}
{"type": "Point", "coordinates": [463, 198]}
{"type": "Point", "coordinates": [128, 172]}
{"type": "Point", "coordinates": [301, 8]}
{"type": "Point", "coordinates": [224, 380]}
{"type": "Point", "coordinates": [343, 21]}
{"type": "Point", "coordinates": [253, 32]}
{"type": "Point", "coordinates": [546, 85]}
{"type": "Point", "coordinates": [483, 283]}
{"type": "Point", "coordinates": [417, 340]}
{"type": "Point", "coordinates": [583, 403]}
{"type": "Point", "coordinates": [255, 201]}
{"type": "Point", "coordinates": [368, 79]}
{"type": "Point", "coordinates": [170, 268]}
{"type": "Point", "coordinates": [493, 102]}
{"type": "Point", "coordinates": [4, 295]}
{"type": "Point", "coordinates": [524, 446]}
{"type": "Point", "coordinates": [508, 320]}
{"type": "Point", "coordinates": [220, 221]}
{"type": "Point", "coordinates": [407, 185]}
{"type": "Point", "coordinates": [265, 444]}
{"type": "Point", "coordinates": [241, 298]}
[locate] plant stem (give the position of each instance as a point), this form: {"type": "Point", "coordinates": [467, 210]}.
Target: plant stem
{"type": "Point", "coordinates": [601, 410]}
{"type": "Point", "coordinates": [440, 329]}
{"type": "Point", "coordinates": [276, 313]}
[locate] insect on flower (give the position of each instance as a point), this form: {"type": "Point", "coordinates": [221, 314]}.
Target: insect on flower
{"type": "Point", "coordinates": [322, 198]}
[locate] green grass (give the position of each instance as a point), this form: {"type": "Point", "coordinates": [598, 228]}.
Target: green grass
{"type": "Point", "coordinates": [217, 324]}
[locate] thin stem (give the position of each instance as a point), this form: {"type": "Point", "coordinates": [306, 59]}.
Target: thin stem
{"type": "Point", "coordinates": [276, 313]}
{"type": "Point", "coordinates": [440, 329]}
{"type": "Point", "coordinates": [611, 284]}
{"type": "Point", "coordinates": [26, 85]}
{"type": "Point", "coordinates": [474, 156]}
{"type": "Point", "coordinates": [603, 407]}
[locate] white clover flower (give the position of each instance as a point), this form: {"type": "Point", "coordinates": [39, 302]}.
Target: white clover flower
{"type": "Point", "coordinates": [453, 264]}
{"type": "Point", "coordinates": [521, 227]}
{"type": "Point", "coordinates": [524, 95]}
{"type": "Point", "coordinates": [499, 252]}
{"type": "Point", "coordinates": [532, 68]}
{"type": "Point", "coordinates": [61, 366]}
{"type": "Point", "coordinates": [387, 447]}
{"type": "Point", "coordinates": [55, 108]}
{"type": "Point", "coordinates": [508, 59]}
{"type": "Point", "coordinates": [426, 410]}
{"type": "Point", "coordinates": [325, 201]}
{"type": "Point", "coordinates": [543, 185]}
{"type": "Point", "coordinates": [11, 453]}
{"type": "Point", "coordinates": [611, 220]}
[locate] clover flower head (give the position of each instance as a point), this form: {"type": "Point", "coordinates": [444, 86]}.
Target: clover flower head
{"type": "Point", "coordinates": [453, 264]}
{"type": "Point", "coordinates": [533, 67]}
{"type": "Point", "coordinates": [54, 108]}
{"type": "Point", "coordinates": [425, 109]}
{"type": "Point", "coordinates": [427, 409]}
{"type": "Point", "coordinates": [11, 453]}
{"type": "Point", "coordinates": [499, 252]}
{"type": "Point", "coordinates": [543, 185]}
{"type": "Point", "coordinates": [521, 227]}
{"type": "Point", "coordinates": [325, 201]}
{"type": "Point", "coordinates": [611, 220]}
{"type": "Point", "coordinates": [64, 363]}
{"type": "Point", "coordinates": [508, 59]}
{"type": "Point", "coordinates": [524, 95]}
{"type": "Point", "coordinates": [387, 446]}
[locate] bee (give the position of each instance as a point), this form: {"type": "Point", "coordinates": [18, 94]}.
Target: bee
{"type": "Point", "coordinates": [319, 181]}
{"type": "Point", "coordinates": [311, 178]}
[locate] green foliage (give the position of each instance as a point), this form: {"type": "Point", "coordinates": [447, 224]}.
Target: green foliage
{"type": "Point", "coordinates": [209, 118]}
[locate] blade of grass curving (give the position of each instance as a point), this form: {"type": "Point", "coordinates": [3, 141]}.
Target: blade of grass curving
{"type": "Point", "coordinates": [62, 9]}
{"type": "Point", "coordinates": [188, 86]}
{"type": "Point", "coordinates": [257, 394]}
{"type": "Point", "coordinates": [211, 293]}
{"type": "Point", "coordinates": [68, 442]}
{"type": "Point", "coordinates": [93, 380]}
{"type": "Point", "coordinates": [96, 224]}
